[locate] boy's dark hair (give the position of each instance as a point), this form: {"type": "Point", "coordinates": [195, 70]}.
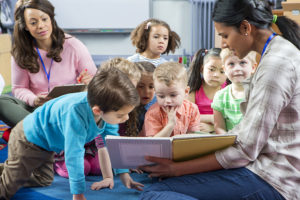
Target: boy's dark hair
{"type": "Point", "coordinates": [256, 12]}
{"type": "Point", "coordinates": [140, 35]}
{"type": "Point", "coordinates": [111, 89]}
{"type": "Point", "coordinates": [195, 72]}
{"type": "Point", "coordinates": [23, 43]}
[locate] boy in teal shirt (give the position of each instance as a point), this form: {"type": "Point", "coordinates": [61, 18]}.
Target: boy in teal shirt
{"type": "Point", "coordinates": [226, 103]}
{"type": "Point", "coordinates": [66, 123]}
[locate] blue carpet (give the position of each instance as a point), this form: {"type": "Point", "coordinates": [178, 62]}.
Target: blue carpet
{"type": "Point", "coordinates": [60, 188]}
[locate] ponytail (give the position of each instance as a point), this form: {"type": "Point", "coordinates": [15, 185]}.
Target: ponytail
{"type": "Point", "coordinates": [290, 30]}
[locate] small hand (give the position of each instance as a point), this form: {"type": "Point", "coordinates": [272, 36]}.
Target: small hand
{"type": "Point", "coordinates": [171, 112]}
{"type": "Point", "coordinates": [105, 183]}
{"type": "Point", "coordinates": [130, 183]}
{"type": "Point", "coordinates": [41, 99]}
{"type": "Point", "coordinates": [78, 197]}
{"type": "Point", "coordinates": [163, 167]}
{"type": "Point", "coordinates": [205, 127]}
{"type": "Point", "coordinates": [84, 77]}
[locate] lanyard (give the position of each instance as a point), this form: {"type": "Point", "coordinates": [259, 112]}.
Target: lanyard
{"type": "Point", "coordinates": [267, 42]}
{"type": "Point", "coordinates": [47, 73]}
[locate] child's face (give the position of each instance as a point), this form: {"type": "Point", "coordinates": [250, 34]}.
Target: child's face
{"type": "Point", "coordinates": [213, 72]}
{"type": "Point", "coordinates": [170, 96]}
{"type": "Point", "coordinates": [237, 70]}
{"type": "Point", "coordinates": [117, 117]}
{"type": "Point", "coordinates": [158, 40]}
{"type": "Point", "coordinates": [145, 89]}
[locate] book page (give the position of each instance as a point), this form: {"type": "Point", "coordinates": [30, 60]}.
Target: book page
{"type": "Point", "coordinates": [130, 152]}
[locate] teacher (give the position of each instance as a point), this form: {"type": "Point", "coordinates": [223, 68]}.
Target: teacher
{"type": "Point", "coordinates": [265, 161]}
{"type": "Point", "coordinates": [43, 57]}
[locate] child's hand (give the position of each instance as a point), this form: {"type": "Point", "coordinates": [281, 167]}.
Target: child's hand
{"type": "Point", "coordinates": [105, 183]}
{"type": "Point", "coordinates": [205, 127]}
{"type": "Point", "coordinates": [129, 183]}
{"type": "Point", "coordinates": [84, 77]}
{"type": "Point", "coordinates": [78, 197]}
{"type": "Point", "coordinates": [171, 111]}
{"type": "Point", "coordinates": [139, 171]}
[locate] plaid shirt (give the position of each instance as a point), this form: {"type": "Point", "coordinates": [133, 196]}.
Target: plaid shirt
{"type": "Point", "coordinates": [269, 134]}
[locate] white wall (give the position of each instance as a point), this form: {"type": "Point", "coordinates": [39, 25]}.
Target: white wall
{"type": "Point", "coordinates": [176, 13]}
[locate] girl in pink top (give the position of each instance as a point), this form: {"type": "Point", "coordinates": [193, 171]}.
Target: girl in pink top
{"type": "Point", "coordinates": [206, 77]}
{"type": "Point", "coordinates": [43, 57]}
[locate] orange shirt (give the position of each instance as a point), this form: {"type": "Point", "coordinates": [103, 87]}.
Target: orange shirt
{"type": "Point", "coordinates": [187, 119]}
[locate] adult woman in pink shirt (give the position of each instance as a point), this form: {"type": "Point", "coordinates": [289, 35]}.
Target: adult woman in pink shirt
{"type": "Point", "coordinates": [43, 57]}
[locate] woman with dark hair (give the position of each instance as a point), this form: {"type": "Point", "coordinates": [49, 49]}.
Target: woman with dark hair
{"type": "Point", "coordinates": [43, 57]}
{"type": "Point", "coordinates": [265, 161]}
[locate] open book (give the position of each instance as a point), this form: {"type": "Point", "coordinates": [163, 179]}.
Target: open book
{"type": "Point", "coordinates": [65, 89]}
{"type": "Point", "coordinates": [129, 152]}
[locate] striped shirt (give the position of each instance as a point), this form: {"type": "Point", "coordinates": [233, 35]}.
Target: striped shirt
{"type": "Point", "coordinates": [228, 106]}
{"type": "Point", "coordinates": [269, 133]}
{"type": "Point", "coordinates": [138, 58]}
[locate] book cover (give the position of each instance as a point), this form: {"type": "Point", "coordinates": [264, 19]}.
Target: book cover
{"type": "Point", "coordinates": [65, 89]}
{"type": "Point", "coordinates": [129, 152]}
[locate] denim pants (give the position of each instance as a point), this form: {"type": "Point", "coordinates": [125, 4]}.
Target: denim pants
{"type": "Point", "coordinates": [232, 184]}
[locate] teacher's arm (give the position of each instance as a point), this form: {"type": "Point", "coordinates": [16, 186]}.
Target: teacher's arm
{"type": "Point", "coordinates": [167, 168]}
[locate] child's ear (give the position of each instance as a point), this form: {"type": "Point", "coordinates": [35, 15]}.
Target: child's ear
{"type": "Point", "coordinates": [96, 110]}
{"type": "Point", "coordinates": [254, 68]}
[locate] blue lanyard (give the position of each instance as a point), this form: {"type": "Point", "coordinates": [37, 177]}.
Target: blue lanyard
{"type": "Point", "coordinates": [267, 42]}
{"type": "Point", "coordinates": [47, 73]}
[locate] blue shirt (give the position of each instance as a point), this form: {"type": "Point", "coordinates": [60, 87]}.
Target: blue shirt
{"type": "Point", "coordinates": [66, 123]}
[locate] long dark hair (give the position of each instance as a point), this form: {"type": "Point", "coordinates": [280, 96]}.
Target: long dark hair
{"type": "Point", "coordinates": [23, 42]}
{"type": "Point", "coordinates": [195, 71]}
{"type": "Point", "coordinates": [256, 12]}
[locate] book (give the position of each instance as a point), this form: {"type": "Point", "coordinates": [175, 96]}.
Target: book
{"type": "Point", "coordinates": [129, 152]}
{"type": "Point", "coordinates": [65, 89]}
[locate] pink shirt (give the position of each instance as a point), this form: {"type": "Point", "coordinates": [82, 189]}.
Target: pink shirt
{"type": "Point", "coordinates": [75, 58]}
{"type": "Point", "coordinates": [187, 120]}
{"type": "Point", "coordinates": [203, 102]}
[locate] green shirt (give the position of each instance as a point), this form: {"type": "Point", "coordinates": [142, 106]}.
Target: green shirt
{"type": "Point", "coordinates": [228, 107]}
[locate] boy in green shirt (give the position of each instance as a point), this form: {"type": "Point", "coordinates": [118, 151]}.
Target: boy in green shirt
{"type": "Point", "coordinates": [226, 103]}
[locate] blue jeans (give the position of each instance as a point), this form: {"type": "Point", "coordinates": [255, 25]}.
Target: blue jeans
{"type": "Point", "coordinates": [224, 184]}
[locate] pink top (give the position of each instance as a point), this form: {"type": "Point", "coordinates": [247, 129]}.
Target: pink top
{"type": "Point", "coordinates": [187, 120]}
{"type": "Point", "coordinates": [203, 102]}
{"type": "Point", "coordinates": [75, 58]}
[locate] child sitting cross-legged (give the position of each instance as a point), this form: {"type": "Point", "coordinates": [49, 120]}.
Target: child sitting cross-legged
{"type": "Point", "coordinates": [226, 103]}
{"type": "Point", "coordinates": [172, 114]}
{"type": "Point", "coordinates": [66, 123]}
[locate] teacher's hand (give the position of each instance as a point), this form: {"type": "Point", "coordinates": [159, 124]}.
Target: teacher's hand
{"type": "Point", "coordinates": [163, 167]}
{"type": "Point", "coordinates": [40, 100]}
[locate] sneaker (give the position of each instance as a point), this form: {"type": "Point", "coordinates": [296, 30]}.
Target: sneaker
{"type": "Point", "coordinates": [6, 134]}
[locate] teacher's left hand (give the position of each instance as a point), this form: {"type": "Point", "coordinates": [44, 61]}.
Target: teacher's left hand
{"type": "Point", "coordinates": [163, 167]}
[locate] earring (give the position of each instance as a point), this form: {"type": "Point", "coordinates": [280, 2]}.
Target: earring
{"type": "Point", "coordinates": [246, 34]}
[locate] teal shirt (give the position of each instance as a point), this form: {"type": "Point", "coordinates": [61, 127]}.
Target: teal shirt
{"type": "Point", "coordinates": [66, 123]}
{"type": "Point", "coordinates": [228, 107]}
